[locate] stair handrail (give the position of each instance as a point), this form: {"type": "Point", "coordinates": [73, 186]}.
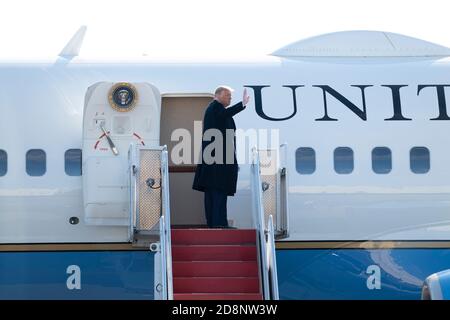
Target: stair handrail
{"type": "Point", "coordinates": [258, 217]}
{"type": "Point", "coordinates": [272, 260]}
{"type": "Point", "coordinates": [166, 232]}
{"type": "Point", "coordinates": [163, 266]}
{"type": "Point", "coordinates": [133, 190]}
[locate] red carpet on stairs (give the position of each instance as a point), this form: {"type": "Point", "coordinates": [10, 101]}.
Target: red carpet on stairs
{"type": "Point", "coordinates": [215, 264]}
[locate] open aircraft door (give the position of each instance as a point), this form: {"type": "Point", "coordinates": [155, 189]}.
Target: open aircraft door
{"type": "Point", "coordinates": [116, 115]}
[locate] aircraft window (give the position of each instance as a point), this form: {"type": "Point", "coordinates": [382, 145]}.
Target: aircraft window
{"type": "Point", "coordinates": [36, 162]}
{"type": "Point", "coordinates": [3, 162]}
{"type": "Point", "coordinates": [381, 160]}
{"type": "Point", "coordinates": [419, 160]}
{"type": "Point", "coordinates": [72, 162]}
{"type": "Point", "coordinates": [343, 160]}
{"type": "Point", "coordinates": [305, 160]}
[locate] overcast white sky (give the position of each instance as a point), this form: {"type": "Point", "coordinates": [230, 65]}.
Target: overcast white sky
{"type": "Point", "coordinates": [200, 28]}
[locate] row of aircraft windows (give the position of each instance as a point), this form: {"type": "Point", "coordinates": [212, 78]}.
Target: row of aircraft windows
{"type": "Point", "coordinates": [305, 161]}
{"type": "Point", "coordinates": [419, 160]}
{"type": "Point", "coordinates": [36, 162]}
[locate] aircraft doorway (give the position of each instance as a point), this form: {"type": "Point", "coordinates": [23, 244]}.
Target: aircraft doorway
{"type": "Point", "coordinates": [180, 111]}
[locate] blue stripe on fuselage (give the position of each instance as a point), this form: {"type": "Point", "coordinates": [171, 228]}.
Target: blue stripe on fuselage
{"type": "Point", "coordinates": [302, 273]}
{"type": "Point", "coordinates": [344, 274]}
{"type": "Point", "coordinates": [103, 275]}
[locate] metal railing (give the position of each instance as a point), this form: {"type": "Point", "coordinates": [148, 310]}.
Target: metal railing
{"type": "Point", "coordinates": [163, 260]}
{"type": "Point", "coordinates": [165, 217]}
{"type": "Point", "coordinates": [133, 190]}
{"type": "Point", "coordinates": [282, 222]}
{"type": "Point", "coordinates": [272, 261]}
{"type": "Point", "coordinates": [265, 234]}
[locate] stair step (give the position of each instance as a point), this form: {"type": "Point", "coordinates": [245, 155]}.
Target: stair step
{"type": "Point", "coordinates": [217, 296]}
{"type": "Point", "coordinates": [216, 285]}
{"type": "Point", "coordinates": [213, 236]}
{"type": "Point", "coordinates": [215, 269]}
{"type": "Point", "coordinates": [213, 252]}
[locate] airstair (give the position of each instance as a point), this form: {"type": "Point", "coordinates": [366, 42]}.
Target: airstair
{"type": "Point", "coordinates": [218, 264]}
{"type": "Point", "coordinates": [197, 264]}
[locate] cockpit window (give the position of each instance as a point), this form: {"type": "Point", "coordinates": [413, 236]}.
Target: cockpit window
{"type": "Point", "coordinates": [343, 160]}
{"type": "Point", "coordinates": [381, 160]}
{"type": "Point", "coordinates": [3, 162]}
{"type": "Point", "coordinates": [72, 162]}
{"type": "Point", "coordinates": [36, 162]}
{"type": "Point", "coordinates": [305, 160]}
{"type": "Point", "coordinates": [419, 160]}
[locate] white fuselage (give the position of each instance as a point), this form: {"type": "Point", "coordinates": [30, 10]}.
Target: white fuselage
{"type": "Point", "coordinates": [42, 104]}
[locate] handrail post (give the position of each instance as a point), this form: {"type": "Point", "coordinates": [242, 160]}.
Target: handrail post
{"type": "Point", "coordinates": [133, 190]}
{"type": "Point", "coordinates": [260, 224]}
{"type": "Point", "coordinates": [283, 218]}
{"type": "Point", "coordinates": [163, 258]}
{"type": "Point", "coordinates": [272, 260]}
{"type": "Point", "coordinates": [166, 215]}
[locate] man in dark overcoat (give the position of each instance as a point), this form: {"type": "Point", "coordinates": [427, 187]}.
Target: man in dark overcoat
{"type": "Point", "coordinates": [216, 174]}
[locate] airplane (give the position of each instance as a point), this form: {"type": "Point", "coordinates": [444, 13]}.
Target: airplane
{"type": "Point", "coordinates": [95, 203]}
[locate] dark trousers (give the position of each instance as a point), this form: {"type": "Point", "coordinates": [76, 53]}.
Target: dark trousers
{"type": "Point", "coordinates": [216, 208]}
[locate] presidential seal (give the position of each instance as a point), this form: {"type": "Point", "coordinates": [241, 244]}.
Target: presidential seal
{"type": "Point", "coordinates": [123, 96]}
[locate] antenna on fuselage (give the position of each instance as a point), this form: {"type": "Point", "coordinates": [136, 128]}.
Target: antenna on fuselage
{"type": "Point", "coordinates": [73, 47]}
